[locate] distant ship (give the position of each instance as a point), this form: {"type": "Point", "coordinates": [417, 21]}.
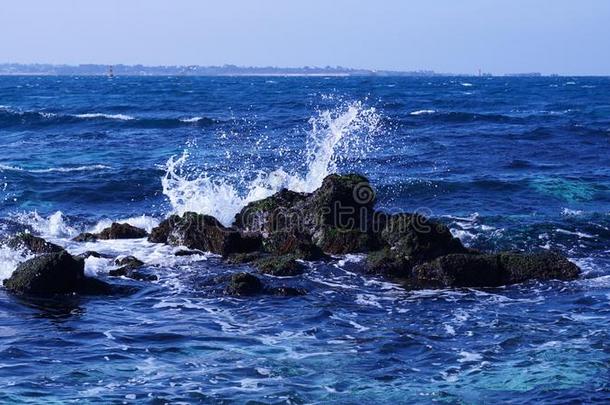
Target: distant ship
{"type": "Point", "coordinates": [110, 71]}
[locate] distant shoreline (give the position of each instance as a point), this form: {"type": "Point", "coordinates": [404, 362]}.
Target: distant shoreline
{"type": "Point", "coordinates": [20, 69]}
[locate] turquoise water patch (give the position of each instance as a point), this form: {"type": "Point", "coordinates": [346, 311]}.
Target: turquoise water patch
{"type": "Point", "coordinates": [568, 190]}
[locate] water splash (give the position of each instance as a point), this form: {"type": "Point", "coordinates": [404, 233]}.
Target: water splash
{"type": "Point", "coordinates": [336, 136]}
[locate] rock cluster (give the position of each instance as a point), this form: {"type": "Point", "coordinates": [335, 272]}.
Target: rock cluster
{"type": "Point", "coordinates": [277, 234]}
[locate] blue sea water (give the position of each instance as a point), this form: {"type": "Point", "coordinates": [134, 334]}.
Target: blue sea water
{"type": "Point", "coordinates": [508, 163]}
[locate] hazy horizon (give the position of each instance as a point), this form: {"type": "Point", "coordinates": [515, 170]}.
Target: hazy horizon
{"type": "Point", "coordinates": [448, 37]}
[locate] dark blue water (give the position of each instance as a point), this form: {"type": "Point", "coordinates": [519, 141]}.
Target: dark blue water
{"type": "Point", "coordinates": [507, 163]}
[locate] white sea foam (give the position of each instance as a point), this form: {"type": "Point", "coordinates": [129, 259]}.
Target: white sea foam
{"type": "Point", "coordinates": [55, 169]}
{"type": "Point", "coordinates": [347, 130]}
{"type": "Point", "coordinates": [422, 112]}
{"type": "Point", "coordinates": [53, 226]}
{"type": "Point", "coordinates": [191, 119]}
{"type": "Point", "coordinates": [466, 84]}
{"type": "Point", "coordinates": [121, 117]}
{"type": "Point", "coordinates": [9, 260]}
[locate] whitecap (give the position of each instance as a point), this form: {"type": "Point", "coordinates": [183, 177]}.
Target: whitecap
{"type": "Point", "coordinates": [191, 119]}
{"type": "Point", "coordinates": [121, 117]}
{"type": "Point", "coordinates": [467, 84]}
{"type": "Point", "coordinates": [55, 169]}
{"type": "Point", "coordinates": [422, 112]}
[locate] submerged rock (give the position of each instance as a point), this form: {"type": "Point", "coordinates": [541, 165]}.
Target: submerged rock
{"type": "Point", "coordinates": [493, 270]}
{"type": "Point", "coordinates": [33, 244]}
{"type": "Point", "coordinates": [54, 273]}
{"type": "Point", "coordinates": [204, 233]}
{"type": "Point", "coordinates": [244, 284]}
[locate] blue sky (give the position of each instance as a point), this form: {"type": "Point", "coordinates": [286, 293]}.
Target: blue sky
{"type": "Point", "coordinates": [460, 36]}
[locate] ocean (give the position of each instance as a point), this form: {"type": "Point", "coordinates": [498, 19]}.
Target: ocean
{"type": "Point", "coordinates": [507, 163]}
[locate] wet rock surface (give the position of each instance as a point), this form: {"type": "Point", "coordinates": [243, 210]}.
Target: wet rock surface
{"type": "Point", "coordinates": [54, 273]}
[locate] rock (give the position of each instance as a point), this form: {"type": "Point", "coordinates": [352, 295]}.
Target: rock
{"type": "Point", "coordinates": [409, 240]}
{"type": "Point", "coordinates": [335, 240]}
{"type": "Point", "coordinates": [128, 261]}
{"type": "Point", "coordinates": [32, 243]}
{"type": "Point", "coordinates": [205, 233]}
{"type": "Point", "coordinates": [493, 270]}
{"type": "Point", "coordinates": [85, 237]}
{"type": "Point", "coordinates": [160, 233]}
{"type": "Point", "coordinates": [278, 212]}
{"type": "Point", "coordinates": [129, 268]}
{"type": "Point", "coordinates": [281, 266]}
{"type": "Point", "coordinates": [287, 291]}
{"type": "Point", "coordinates": [335, 218]}
{"type": "Point", "coordinates": [184, 252]}
{"type": "Point", "coordinates": [388, 263]}
{"type": "Point", "coordinates": [91, 253]}
{"type": "Point", "coordinates": [54, 273]}
{"type": "Point", "coordinates": [244, 284]}
{"type": "Point", "coordinates": [131, 272]}
{"type": "Point", "coordinates": [122, 231]}
{"type": "Point", "coordinates": [344, 202]}
{"type": "Point", "coordinates": [292, 243]}
{"type": "Point", "coordinates": [242, 258]}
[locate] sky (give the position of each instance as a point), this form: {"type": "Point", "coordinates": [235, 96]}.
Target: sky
{"type": "Point", "coordinates": [449, 36]}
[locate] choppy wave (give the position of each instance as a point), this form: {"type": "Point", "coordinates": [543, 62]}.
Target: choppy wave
{"type": "Point", "coordinates": [333, 134]}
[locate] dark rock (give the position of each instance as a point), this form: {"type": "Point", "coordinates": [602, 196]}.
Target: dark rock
{"type": "Point", "coordinates": [32, 243]}
{"type": "Point", "coordinates": [122, 231]}
{"type": "Point", "coordinates": [336, 218]}
{"type": "Point", "coordinates": [54, 273]}
{"type": "Point", "coordinates": [388, 263]}
{"type": "Point", "coordinates": [131, 272]}
{"type": "Point", "coordinates": [205, 233]}
{"type": "Point", "coordinates": [298, 245]}
{"type": "Point", "coordinates": [275, 213]}
{"type": "Point", "coordinates": [281, 266]}
{"type": "Point", "coordinates": [160, 233]}
{"type": "Point", "coordinates": [128, 261]}
{"type": "Point", "coordinates": [242, 258]}
{"type": "Point", "coordinates": [287, 291]}
{"type": "Point", "coordinates": [91, 253]}
{"type": "Point", "coordinates": [129, 268]}
{"type": "Point", "coordinates": [410, 239]}
{"type": "Point", "coordinates": [184, 252]}
{"type": "Point", "coordinates": [335, 240]}
{"type": "Point", "coordinates": [493, 270]}
{"type": "Point", "coordinates": [85, 237]}
{"type": "Point", "coordinates": [244, 284]}
{"type": "Point", "coordinates": [344, 202]}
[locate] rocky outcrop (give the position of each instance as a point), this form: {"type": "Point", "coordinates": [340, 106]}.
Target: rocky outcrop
{"type": "Point", "coordinates": [339, 218]}
{"type": "Point", "coordinates": [115, 231]}
{"type": "Point", "coordinates": [32, 244]}
{"type": "Point", "coordinates": [205, 233]}
{"type": "Point", "coordinates": [54, 273]}
{"type": "Point", "coordinates": [492, 270]}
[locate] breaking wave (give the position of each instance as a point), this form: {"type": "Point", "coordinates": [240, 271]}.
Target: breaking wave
{"type": "Point", "coordinates": [334, 136]}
